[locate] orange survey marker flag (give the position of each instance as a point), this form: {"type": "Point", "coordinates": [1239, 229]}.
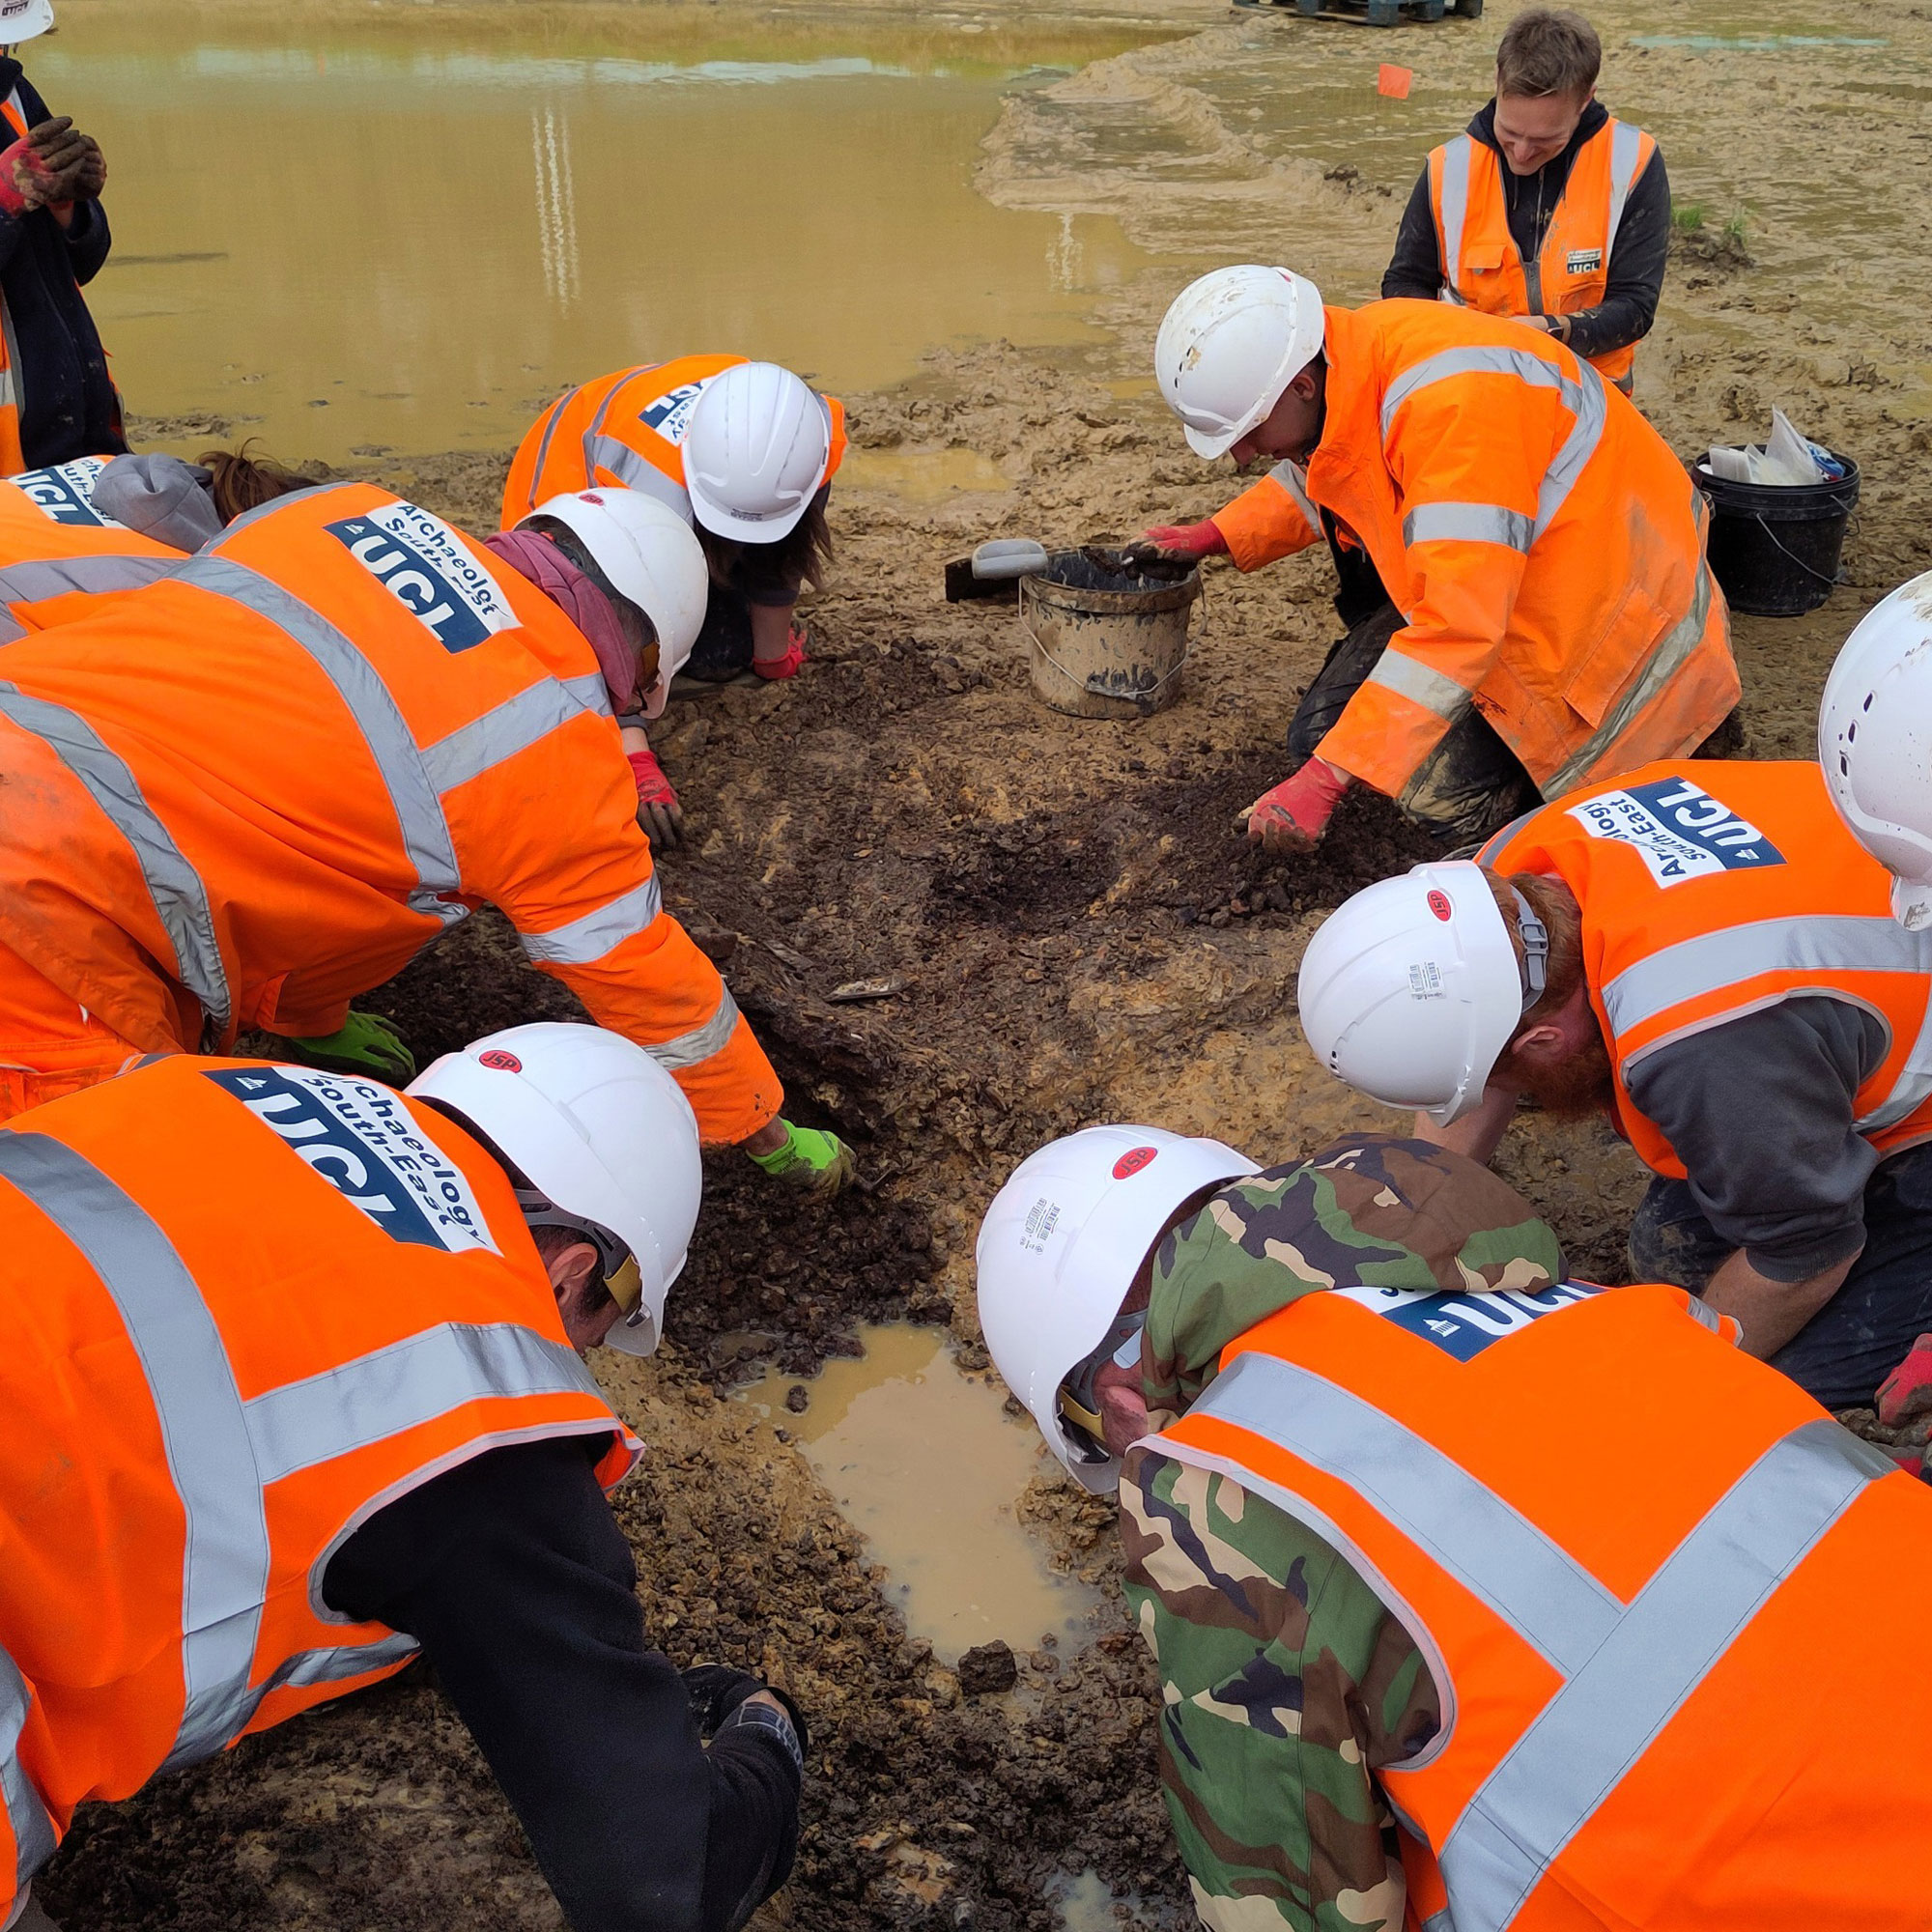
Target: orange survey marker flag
{"type": "Point", "coordinates": [1393, 81]}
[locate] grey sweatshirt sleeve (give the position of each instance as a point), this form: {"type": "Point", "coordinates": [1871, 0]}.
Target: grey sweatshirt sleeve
{"type": "Point", "coordinates": [1760, 1112]}
{"type": "Point", "coordinates": [1415, 269]}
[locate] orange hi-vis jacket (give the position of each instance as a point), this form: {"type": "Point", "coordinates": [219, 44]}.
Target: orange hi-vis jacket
{"type": "Point", "coordinates": [1655, 1656]}
{"type": "Point", "coordinates": [1712, 890]}
{"type": "Point", "coordinates": [1545, 549]}
{"type": "Point", "coordinates": [257, 788]}
{"type": "Point", "coordinates": [627, 429]}
{"type": "Point", "coordinates": [54, 542]}
{"type": "Point", "coordinates": [1482, 266]}
{"type": "Point", "coordinates": [252, 1305]}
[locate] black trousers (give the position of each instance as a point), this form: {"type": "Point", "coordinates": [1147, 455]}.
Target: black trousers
{"type": "Point", "coordinates": [1865, 1331]}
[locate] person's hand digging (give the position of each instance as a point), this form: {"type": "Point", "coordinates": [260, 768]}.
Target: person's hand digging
{"type": "Point", "coordinates": [1187, 543]}
{"type": "Point", "coordinates": [814, 1163]}
{"type": "Point", "coordinates": [365, 1045]}
{"type": "Point", "coordinates": [1295, 813]}
{"type": "Point", "coordinates": [659, 813]}
{"type": "Point", "coordinates": [773, 670]}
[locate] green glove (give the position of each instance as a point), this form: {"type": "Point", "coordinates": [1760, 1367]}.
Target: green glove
{"type": "Point", "coordinates": [812, 1162]}
{"type": "Point", "coordinates": [368, 1044]}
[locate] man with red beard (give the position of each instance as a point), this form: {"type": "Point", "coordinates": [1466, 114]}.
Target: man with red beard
{"type": "Point", "coordinates": [1704, 953]}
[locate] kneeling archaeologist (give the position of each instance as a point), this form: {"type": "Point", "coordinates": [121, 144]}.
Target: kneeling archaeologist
{"type": "Point", "coordinates": [1705, 954]}
{"type": "Point", "coordinates": [1422, 1664]}
{"type": "Point", "coordinates": [293, 1391]}
{"type": "Point", "coordinates": [1548, 617]}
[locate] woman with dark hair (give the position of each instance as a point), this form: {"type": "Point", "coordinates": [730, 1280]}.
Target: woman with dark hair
{"type": "Point", "coordinates": [745, 452]}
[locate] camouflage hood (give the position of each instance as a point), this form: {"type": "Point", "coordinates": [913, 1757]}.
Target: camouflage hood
{"type": "Point", "coordinates": [1373, 1211]}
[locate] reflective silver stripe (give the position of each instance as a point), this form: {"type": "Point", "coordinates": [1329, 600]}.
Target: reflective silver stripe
{"type": "Point", "coordinates": [1468, 522]}
{"type": "Point", "coordinates": [1626, 144]}
{"type": "Point", "coordinates": [175, 888]}
{"type": "Point", "coordinates": [557, 409]}
{"type": "Point", "coordinates": [400, 1388]}
{"type": "Point", "coordinates": [586, 940]}
{"type": "Point", "coordinates": [332, 1665]}
{"type": "Point", "coordinates": [1675, 1632]}
{"type": "Point", "coordinates": [1668, 656]}
{"type": "Point", "coordinates": [1439, 1922]}
{"type": "Point", "coordinates": [248, 518]}
{"type": "Point", "coordinates": [635, 473]}
{"type": "Point", "coordinates": [1496, 1553]}
{"type": "Point", "coordinates": [12, 630]}
{"type": "Point", "coordinates": [54, 577]}
{"type": "Point", "coordinates": [1294, 480]}
{"type": "Point", "coordinates": [1421, 684]}
{"type": "Point", "coordinates": [1456, 157]}
{"type": "Point", "coordinates": [26, 1816]}
{"type": "Point", "coordinates": [411, 793]}
{"type": "Point", "coordinates": [689, 1049]}
{"type": "Point", "coordinates": [204, 1432]}
{"type": "Point", "coordinates": [1582, 397]}
{"type": "Point", "coordinates": [589, 691]}
{"type": "Point", "coordinates": [512, 726]}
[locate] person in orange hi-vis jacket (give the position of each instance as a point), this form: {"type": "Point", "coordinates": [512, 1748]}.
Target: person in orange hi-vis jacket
{"type": "Point", "coordinates": [55, 540]}
{"type": "Point", "coordinates": [296, 1391]}
{"type": "Point", "coordinates": [259, 786]}
{"type": "Point", "coordinates": [745, 452]}
{"type": "Point", "coordinates": [1553, 619]}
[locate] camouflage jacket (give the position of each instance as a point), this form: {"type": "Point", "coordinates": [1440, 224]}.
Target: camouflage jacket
{"type": "Point", "coordinates": [1286, 1682]}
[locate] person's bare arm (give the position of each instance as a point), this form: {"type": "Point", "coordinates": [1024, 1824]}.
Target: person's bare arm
{"type": "Point", "coordinates": [1771, 1312]}
{"type": "Point", "coordinates": [1477, 1134]}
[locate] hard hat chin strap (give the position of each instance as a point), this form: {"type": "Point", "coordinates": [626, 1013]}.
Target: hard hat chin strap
{"type": "Point", "coordinates": [1535, 937]}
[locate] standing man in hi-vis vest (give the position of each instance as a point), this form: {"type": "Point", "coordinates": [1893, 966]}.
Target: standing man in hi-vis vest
{"type": "Point", "coordinates": [57, 400]}
{"type": "Point", "coordinates": [292, 1389]}
{"type": "Point", "coordinates": [1547, 209]}
{"type": "Point", "coordinates": [1421, 1665]}
{"type": "Point", "coordinates": [1703, 953]}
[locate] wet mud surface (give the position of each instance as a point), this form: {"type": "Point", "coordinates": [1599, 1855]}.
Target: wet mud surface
{"type": "Point", "coordinates": [1082, 932]}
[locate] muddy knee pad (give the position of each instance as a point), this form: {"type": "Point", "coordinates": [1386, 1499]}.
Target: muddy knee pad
{"type": "Point", "coordinates": [1727, 741]}
{"type": "Point", "coordinates": [1343, 673]}
{"type": "Point", "coordinates": [724, 646]}
{"type": "Point", "coordinates": [1472, 785]}
{"type": "Point", "coordinates": [1670, 1240]}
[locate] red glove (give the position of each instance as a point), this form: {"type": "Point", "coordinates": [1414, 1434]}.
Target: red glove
{"type": "Point", "coordinates": [659, 813]}
{"type": "Point", "coordinates": [1189, 540]}
{"type": "Point", "coordinates": [773, 669]}
{"type": "Point", "coordinates": [1906, 1394]}
{"type": "Point", "coordinates": [34, 171]}
{"type": "Point", "coordinates": [1295, 813]}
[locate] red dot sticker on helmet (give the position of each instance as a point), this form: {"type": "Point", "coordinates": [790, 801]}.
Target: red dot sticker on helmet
{"type": "Point", "coordinates": [499, 1062]}
{"type": "Point", "coordinates": [591, 496]}
{"type": "Point", "coordinates": [1132, 1161]}
{"type": "Point", "coordinates": [1438, 904]}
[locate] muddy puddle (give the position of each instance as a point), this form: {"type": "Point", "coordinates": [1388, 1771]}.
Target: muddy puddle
{"type": "Point", "coordinates": [361, 235]}
{"type": "Point", "coordinates": [925, 1461]}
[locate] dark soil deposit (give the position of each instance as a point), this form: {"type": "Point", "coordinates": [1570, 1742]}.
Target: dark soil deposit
{"type": "Point", "coordinates": [1082, 933]}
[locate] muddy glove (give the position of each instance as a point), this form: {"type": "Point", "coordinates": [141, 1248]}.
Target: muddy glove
{"type": "Point", "coordinates": [812, 1162]}
{"type": "Point", "coordinates": [36, 170]}
{"type": "Point", "coordinates": [719, 1698]}
{"type": "Point", "coordinates": [1295, 813]}
{"type": "Point", "coordinates": [657, 810]}
{"type": "Point", "coordinates": [788, 665]}
{"type": "Point", "coordinates": [87, 180]}
{"type": "Point", "coordinates": [368, 1045]}
{"type": "Point", "coordinates": [1189, 540]}
{"type": "Point", "coordinates": [1906, 1394]}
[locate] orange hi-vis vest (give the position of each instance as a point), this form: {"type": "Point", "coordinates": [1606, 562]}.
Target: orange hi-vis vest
{"type": "Point", "coordinates": [1655, 1656]}
{"type": "Point", "coordinates": [53, 541]}
{"type": "Point", "coordinates": [1543, 546]}
{"type": "Point", "coordinates": [252, 1304]}
{"type": "Point", "coordinates": [256, 788]}
{"type": "Point", "coordinates": [1710, 890]}
{"type": "Point", "coordinates": [627, 429]}
{"type": "Point", "coordinates": [1482, 266]}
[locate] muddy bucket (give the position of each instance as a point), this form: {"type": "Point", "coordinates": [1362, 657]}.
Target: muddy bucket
{"type": "Point", "coordinates": [1108, 638]}
{"type": "Point", "coordinates": [1775, 548]}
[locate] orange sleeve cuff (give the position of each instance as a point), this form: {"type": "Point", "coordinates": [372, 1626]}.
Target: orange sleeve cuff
{"type": "Point", "coordinates": [1263, 523]}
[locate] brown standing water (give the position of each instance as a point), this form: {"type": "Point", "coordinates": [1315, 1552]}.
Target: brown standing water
{"type": "Point", "coordinates": [351, 233]}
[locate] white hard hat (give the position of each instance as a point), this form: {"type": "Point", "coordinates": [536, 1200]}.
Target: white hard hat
{"type": "Point", "coordinates": [24, 20]}
{"type": "Point", "coordinates": [755, 452]}
{"type": "Point", "coordinates": [1059, 1249]}
{"type": "Point", "coordinates": [1411, 991]}
{"type": "Point", "coordinates": [1875, 743]}
{"type": "Point", "coordinates": [603, 1137]}
{"type": "Point", "coordinates": [650, 554]}
{"type": "Point", "coordinates": [1229, 346]}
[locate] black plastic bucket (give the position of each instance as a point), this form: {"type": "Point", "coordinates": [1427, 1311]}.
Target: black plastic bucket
{"type": "Point", "coordinates": [1774, 549]}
